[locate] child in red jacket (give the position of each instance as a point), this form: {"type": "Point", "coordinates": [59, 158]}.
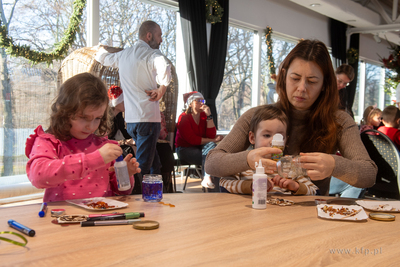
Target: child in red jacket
{"type": "Point", "coordinates": [391, 120]}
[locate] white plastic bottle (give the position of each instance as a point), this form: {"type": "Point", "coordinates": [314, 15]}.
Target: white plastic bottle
{"type": "Point", "coordinates": [260, 182]}
{"type": "Point", "coordinates": [121, 171]}
{"type": "Point", "coordinates": [277, 142]}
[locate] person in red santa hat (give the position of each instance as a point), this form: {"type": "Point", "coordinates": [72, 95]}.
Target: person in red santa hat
{"type": "Point", "coordinates": [195, 131]}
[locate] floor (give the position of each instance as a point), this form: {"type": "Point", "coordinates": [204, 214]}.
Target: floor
{"type": "Point", "coordinates": [193, 184]}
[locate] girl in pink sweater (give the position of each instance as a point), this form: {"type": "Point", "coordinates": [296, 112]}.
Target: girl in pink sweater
{"type": "Point", "coordinates": [72, 159]}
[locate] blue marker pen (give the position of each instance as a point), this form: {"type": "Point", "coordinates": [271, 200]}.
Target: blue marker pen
{"type": "Point", "coordinates": [21, 228]}
{"type": "Point", "coordinates": [43, 209]}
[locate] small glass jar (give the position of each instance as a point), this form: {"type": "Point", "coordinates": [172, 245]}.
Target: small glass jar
{"type": "Point", "coordinates": [152, 188]}
{"type": "Point", "coordinates": [290, 167]}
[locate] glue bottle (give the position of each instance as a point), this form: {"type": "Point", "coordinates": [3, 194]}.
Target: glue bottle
{"type": "Point", "coordinates": [277, 142]}
{"type": "Point", "coordinates": [260, 182]}
{"type": "Point", "coordinates": [121, 171]}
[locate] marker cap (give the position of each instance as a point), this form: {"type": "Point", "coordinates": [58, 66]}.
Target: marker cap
{"type": "Point", "coordinates": [134, 215]}
{"type": "Point", "coordinates": [87, 223]}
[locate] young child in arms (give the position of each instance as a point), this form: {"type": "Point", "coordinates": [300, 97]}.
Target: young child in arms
{"type": "Point", "coordinates": [266, 122]}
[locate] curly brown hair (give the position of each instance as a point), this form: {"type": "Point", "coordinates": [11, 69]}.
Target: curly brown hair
{"type": "Point", "coordinates": [322, 129]}
{"type": "Point", "coordinates": [76, 94]}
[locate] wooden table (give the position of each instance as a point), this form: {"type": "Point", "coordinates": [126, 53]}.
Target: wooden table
{"type": "Point", "coordinates": [214, 229]}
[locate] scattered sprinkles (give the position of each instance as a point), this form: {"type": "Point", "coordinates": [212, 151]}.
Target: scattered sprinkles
{"type": "Point", "coordinates": [167, 204]}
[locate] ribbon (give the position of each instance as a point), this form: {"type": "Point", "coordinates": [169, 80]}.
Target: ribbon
{"type": "Point", "coordinates": [13, 241]}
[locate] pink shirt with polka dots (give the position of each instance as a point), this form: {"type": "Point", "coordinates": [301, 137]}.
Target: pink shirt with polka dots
{"type": "Point", "coordinates": [70, 169]}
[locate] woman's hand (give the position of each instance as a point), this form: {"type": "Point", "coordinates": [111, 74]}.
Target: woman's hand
{"type": "Point", "coordinates": [318, 165]}
{"type": "Point", "coordinates": [263, 153]}
{"type": "Point", "coordinates": [218, 138]}
{"type": "Point", "coordinates": [286, 183]}
{"type": "Point", "coordinates": [110, 152]}
{"type": "Point", "coordinates": [206, 109]}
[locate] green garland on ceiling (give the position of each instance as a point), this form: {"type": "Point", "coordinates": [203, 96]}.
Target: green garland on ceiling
{"type": "Point", "coordinates": [61, 48]}
{"type": "Point", "coordinates": [268, 41]}
{"type": "Point", "coordinates": [214, 11]}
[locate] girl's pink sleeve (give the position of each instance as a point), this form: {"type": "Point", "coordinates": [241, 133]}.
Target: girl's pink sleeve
{"type": "Point", "coordinates": [45, 169]}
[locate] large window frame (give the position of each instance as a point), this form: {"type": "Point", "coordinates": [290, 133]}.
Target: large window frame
{"type": "Point", "coordinates": [361, 87]}
{"type": "Point", "coordinates": [256, 85]}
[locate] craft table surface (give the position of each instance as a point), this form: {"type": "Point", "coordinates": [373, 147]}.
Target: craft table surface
{"type": "Point", "coordinates": [204, 229]}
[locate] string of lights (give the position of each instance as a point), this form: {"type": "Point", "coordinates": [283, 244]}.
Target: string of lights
{"type": "Point", "coordinates": [268, 41]}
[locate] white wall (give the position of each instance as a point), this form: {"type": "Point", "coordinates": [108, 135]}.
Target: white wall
{"type": "Point", "coordinates": [282, 16]}
{"type": "Point", "coordinates": [370, 49]}
{"type": "Point", "coordinates": [293, 20]}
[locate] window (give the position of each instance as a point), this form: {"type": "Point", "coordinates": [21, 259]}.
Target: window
{"type": "Point", "coordinates": [234, 97]}
{"type": "Point", "coordinates": [372, 82]}
{"type": "Point", "coordinates": [280, 49]}
{"type": "Point", "coordinates": [28, 89]}
{"type": "Point", "coordinates": [390, 88]}
{"type": "Point", "coordinates": [120, 21]}
{"type": "Point", "coordinates": [370, 89]}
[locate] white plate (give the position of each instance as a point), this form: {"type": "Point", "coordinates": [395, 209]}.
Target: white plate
{"type": "Point", "coordinates": [111, 202]}
{"type": "Point", "coordinates": [361, 216]}
{"type": "Point", "coordinates": [385, 206]}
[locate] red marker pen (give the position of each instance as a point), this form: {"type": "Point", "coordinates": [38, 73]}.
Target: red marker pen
{"type": "Point", "coordinates": [102, 215]}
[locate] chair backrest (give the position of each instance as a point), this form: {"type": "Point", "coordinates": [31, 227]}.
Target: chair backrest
{"type": "Point", "coordinates": [384, 153]}
{"type": "Point", "coordinates": [82, 60]}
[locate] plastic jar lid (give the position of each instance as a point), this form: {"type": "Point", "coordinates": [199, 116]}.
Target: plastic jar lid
{"type": "Point", "coordinates": [382, 216]}
{"type": "Point", "coordinates": [57, 212]}
{"type": "Point", "coordinates": [146, 225]}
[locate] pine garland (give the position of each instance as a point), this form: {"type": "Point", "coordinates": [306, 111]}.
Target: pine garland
{"type": "Point", "coordinates": [214, 11]}
{"type": "Point", "coordinates": [352, 55]}
{"type": "Point", "coordinates": [268, 41]}
{"type": "Point", "coordinates": [61, 48]}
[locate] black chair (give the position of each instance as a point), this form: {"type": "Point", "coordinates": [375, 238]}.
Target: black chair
{"type": "Point", "coordinates": [179, 163]}
{"type": "Point", "coordinates": [191, 167]}
{"type": "Point", "coordinates": [167, 159]}
{"type": "Point", "coordinates": [385, 154]}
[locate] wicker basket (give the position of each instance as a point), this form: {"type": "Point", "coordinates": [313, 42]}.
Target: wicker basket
{"type": "Point", "coordinates": [82, 60]}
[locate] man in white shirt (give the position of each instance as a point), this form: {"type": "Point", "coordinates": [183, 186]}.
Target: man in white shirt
{"type": "Point", "coordinates": [141, 68]}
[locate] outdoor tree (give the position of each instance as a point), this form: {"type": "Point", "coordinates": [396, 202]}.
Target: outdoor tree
{"type": "Point", "coordinates": [235, 93]}
{"type": "Point", "coordinates": [7, 12]}
{"type": "Point", "coordinates": [29, 89]}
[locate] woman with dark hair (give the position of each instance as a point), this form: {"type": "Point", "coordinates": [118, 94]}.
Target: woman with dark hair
{"type": "Point", "coordinates": [308, 94]}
